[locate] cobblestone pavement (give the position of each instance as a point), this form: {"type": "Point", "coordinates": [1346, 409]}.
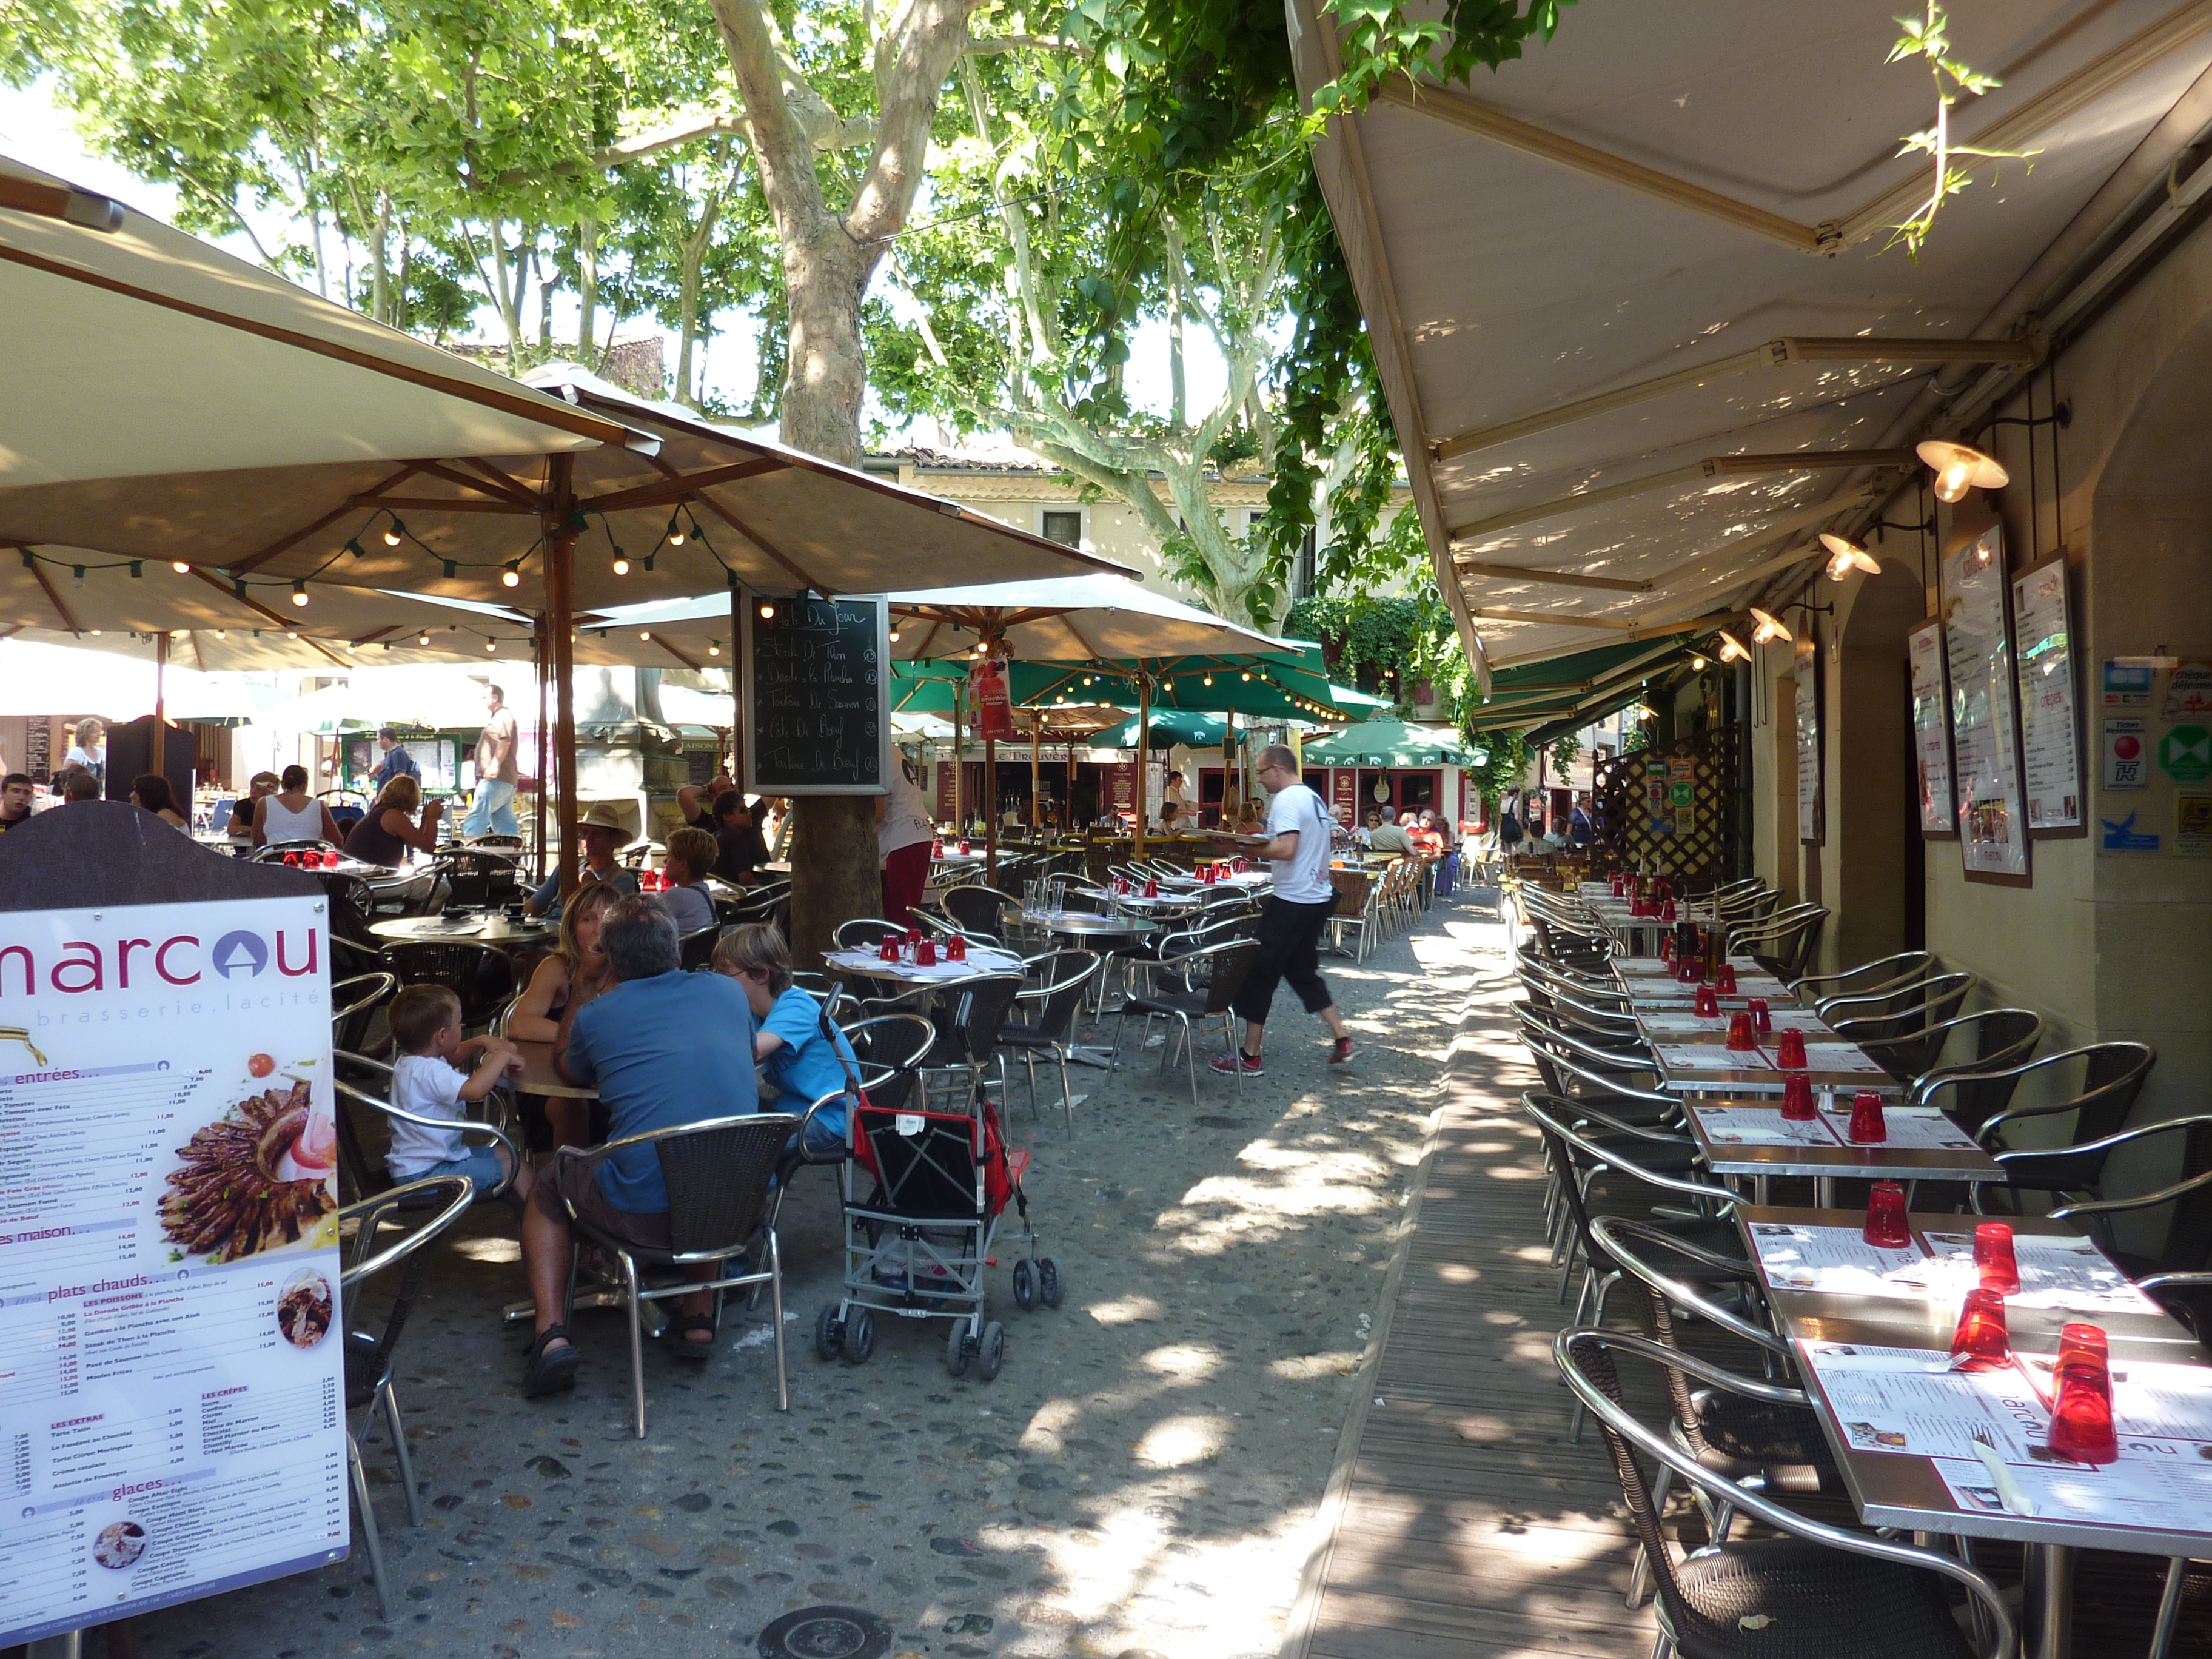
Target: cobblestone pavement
{"type": "Point", "coordinates": [1143, 1474]}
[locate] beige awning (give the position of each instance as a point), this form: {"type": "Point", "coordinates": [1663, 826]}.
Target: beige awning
{"type": "Point", "coordinates": [1639, 336]}
{"type": "Point", "coordinates": [142, 350]}
{"type": "Point", "coordinates": [746, 509]}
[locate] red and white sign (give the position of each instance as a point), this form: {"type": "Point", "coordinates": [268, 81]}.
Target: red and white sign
{"type": "Point", "coordinates": [993, 715]}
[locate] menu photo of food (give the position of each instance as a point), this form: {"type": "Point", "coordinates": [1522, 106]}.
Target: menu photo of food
{"type": "Point", "coordinates": [118, 1545]}
{"type": "Point", "coordinates": [303, 1311]}
{"type": "Point", "coordinates": [261, 1178]}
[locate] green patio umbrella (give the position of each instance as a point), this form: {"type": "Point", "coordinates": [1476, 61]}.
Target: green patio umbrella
{"type": "Point", "coordinates": [1169, 726]}
{"type": "Point", "coordinates": [1390, 742]}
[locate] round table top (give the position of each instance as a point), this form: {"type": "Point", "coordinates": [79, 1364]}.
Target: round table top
{"type": "Point", "coordinates": [538, 1077]}
{"type": "Point", "coordinates": [866, 964]}
{"type": "Point", "coordinates": [1090, 924]}
{"type": "Point", "coordinates": [494, 928]}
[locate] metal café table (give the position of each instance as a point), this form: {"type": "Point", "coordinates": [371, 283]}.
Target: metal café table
{"type": "Point", "coordinates": [1906, 1490]}
{"type": "Point", "coordinates": [1751, 1138]}
{"type": "Point", "coordinates": [1089, 929]}
{"type": "Point", "coordinates": [1707, 1068]}
{"type": "Point", "coordinates": [494, 928]}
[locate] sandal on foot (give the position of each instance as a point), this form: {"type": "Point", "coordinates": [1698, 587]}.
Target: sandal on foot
{"type": "Point", "coordinates": [551, 1370]}
{"type": "Point", "coordinates": [691, 1336]}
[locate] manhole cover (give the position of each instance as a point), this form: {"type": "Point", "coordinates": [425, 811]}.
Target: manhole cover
{"type": "Point", "coordinates": [827, 1634]}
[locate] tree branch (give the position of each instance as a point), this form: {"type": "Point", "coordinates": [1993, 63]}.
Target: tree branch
{"type": "Point", "coordinates": [994, 45]}
{"type": "Point", "coordinates": [912, 62]}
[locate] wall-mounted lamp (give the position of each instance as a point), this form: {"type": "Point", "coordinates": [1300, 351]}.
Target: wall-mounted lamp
{"type": "Point", "coordinates": [1768, 627]}
{"type": "Point", "coordinates": [1845, 555]}
{"type": "Point", "coordinates": [1732, 648]}
{"type": "Point", "coordinates": [1960, 468]}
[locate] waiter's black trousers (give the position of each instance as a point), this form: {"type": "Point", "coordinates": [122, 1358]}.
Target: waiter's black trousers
{"type": "Point", "coordinates": [1290, 949]}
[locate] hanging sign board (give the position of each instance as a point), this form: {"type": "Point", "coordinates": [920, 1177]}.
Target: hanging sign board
{"type": "Point", "coordinates": [1931, 730]}
{"type": "Point", "coordinates": [816, 695]}
{"type": "Point", "coordinates": [990, 713]}
{"type": "Point", "coordinates": [171, 1360]}
{"type": "Point", "coordinates": [2049, 731]}
{"type": "Point", "coordinates": [1806, 669]}
{"type": "Point", "coordinates": [1984, 724]}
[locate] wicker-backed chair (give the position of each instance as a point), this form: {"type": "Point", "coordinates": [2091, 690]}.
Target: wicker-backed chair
{"type": "Point", "coordinates": [1064, 976]}
{"type": "Point", "coordinates": [481, 977]}
{"type": "Point", "coordinates": [1818, 1592]}
{"type": "Point", "coordinates": [718, 1174]}
{"type": "Point", "coordinates": [1196, 985]}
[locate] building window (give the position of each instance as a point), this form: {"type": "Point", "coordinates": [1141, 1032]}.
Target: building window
{"type": "Point", "coordinates": [1302, 585]}
{"type": "Point", "coordinates": [1066, 528]}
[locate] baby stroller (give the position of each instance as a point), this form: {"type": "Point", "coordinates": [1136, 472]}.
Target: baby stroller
{"type": "Point", "coordinates": [938, 1175]}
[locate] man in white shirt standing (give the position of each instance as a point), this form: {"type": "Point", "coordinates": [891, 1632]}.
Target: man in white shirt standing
{"type": "Point", "coordinates": [1296, 910]}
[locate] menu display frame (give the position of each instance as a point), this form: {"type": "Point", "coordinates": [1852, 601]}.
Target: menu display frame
{"type": "Point", "coordinates": [177, 1408]}
{"type": "Point", "coordinates": [793, 706]}
{"type": "Point", "coordinates": [1987, 770]}
{"type": "Point", "coordinates": [1812, 772]}
{"type": "Point", "coordinates": [2050, 701]}
{"type": "Point", "coordinates": [1931, 730]}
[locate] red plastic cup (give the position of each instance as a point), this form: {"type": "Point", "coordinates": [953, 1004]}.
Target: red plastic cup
{"type": "Point", "coordinates": [1741, 1037]}
{"type": "Point", "coordinates": [1867, 1126]}
{"type": "Point", "coordinates": [937, 847]}
{"type": "Point", "coordinates": [292, 858]}
{"type": "Point", "coordinates": [1616, 883]}
{"type": "Point", "coordinates": [925, 954]}
{"type": "Point", "coordinates": [1993, 1255]}
{"type": "Point", "coordinates": [1724, 977]}
{"type": "Point", "coordinates": [1666, 911]}
{"type": "Point", "coordinates": [1151, 889]}
{"type": "Point", "coordinates": [1789, 1051]}
{"type": "Point", "coordinates": [1761, 1021]}
{"type": "Point", "coordinates": [965, 849]}
{"type": "Point", "coordinates": [1706, 1004]}
{"type": "Point", "coordinates": [2082, 1426]}
{"type": "Point", "coordinates": [1887, 1228]}
{"type": "Point", "coordinates": [914, 932]}
{"type": "Point", "coordinates": [889, 950]}
{"type": "Point", "coordinates": [1981, 1338]}
{"type": "Point", "coordinates": [1797, 1098]}
{"type": "Point", "coordinates": [2085, 1344]}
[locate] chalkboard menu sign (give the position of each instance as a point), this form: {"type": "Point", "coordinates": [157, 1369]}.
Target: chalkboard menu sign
{"type": "Point", "coordinates": [816, 695]}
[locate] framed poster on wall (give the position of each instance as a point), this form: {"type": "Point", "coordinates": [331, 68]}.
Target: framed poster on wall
{"type": "Point", "coordinates": [1931, 730]}
{"type": "Point", "coordinates": [1807, 672]}
{"type": "Point", "coordinates": [1984, 717]}
{"type": "Point", "coordinates": [2050, 726]}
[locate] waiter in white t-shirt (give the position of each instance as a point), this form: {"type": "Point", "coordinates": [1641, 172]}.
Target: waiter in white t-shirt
{"type": "Point", "coordinates": [1296, 910]}
{"type": "Point", "coordinates": [903, 834]}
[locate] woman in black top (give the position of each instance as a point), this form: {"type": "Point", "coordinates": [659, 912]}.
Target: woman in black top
{"type": "Point", "coordinates": [388, 828]}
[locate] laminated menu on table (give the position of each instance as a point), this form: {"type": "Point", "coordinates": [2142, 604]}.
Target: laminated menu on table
{"type": "Point", "coordinates": [2068, 1272]}
{"type": "Point", "coordinates": [1912, 1131]}
{"type": "Point", "coordinates": [1799, 1256]}
{"type": "Point", "coordinates": [1841, 1057]}
{"type": "Point", "coordinates": [171, 1371]}
{"type": "Point", "coordinates": [1761, 1126]}
{"type": "Point", "coordinates": [1710, 1057]}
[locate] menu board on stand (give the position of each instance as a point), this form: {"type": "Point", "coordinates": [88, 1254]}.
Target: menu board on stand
{"type": "Point", "coordinates": [2049, 729]}
{"type": "Point", "coordinates": [1984, 723]}
{"type": "Point", "coordinates": [1931, 732]}
{"type": "Point", "coordinates": [172, 1390]}
{"type": "Point", "coordinates": [816, 695]}
{"type": "Point", "coordinates": [1810, 805]}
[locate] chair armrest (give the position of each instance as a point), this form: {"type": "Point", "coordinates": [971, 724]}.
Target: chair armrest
{"type": "Point", "coordinates": [2105, 1145]}
{"type": "Point", "coordinates": [1608, 1230]}
{"type": "Point", "coordinates": [2199, 1281]}
{"type": "Point", "coordinates": [2138, 1201]}
{"type": "Point", "coordinates": [467, 1126]}
{"type": "Point", "coordinates": [805, 1154]}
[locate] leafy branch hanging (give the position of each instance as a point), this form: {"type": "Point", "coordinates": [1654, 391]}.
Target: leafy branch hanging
{"type": "Point", "coordinates": [1927, 38]}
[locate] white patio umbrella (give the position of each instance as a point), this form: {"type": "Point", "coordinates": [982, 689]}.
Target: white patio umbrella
{"type": "Point", "coordinates": [45, 676]}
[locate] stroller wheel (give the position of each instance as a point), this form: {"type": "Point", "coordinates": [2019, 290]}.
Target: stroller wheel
{"type": "Point", "coordinates": [956, 1349]}
{"type": "Point", "coordinates": [829, 1331]}
{"type": "Point", "coordinates": [1025, 1285]}
{"type": "Point", "coordinates": [1049, 1289]}
{"type": "Point", "coordinates": [993, 1353]}
{"type": "Point", "coordinates": [859, 1337]}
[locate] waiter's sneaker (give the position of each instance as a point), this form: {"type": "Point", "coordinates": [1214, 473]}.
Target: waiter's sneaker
{"type": "Point", "coordinates": [1339, 1052]}
{"type": "Point", "coordinates": [1228, 1067]}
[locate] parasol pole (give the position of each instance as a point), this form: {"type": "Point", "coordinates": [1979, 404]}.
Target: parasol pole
{"type": "Point", "coordinates": [560, 620]}
{"type": "Point", "coordinates": [1036, 770]}
{"type": "Point", "coordinates": [161, 689]}
{"type": "Point", "coordinates": [990, 809]}
{"type": "Point", "coordinates": [540, 655]}
{"type": "Point", "coordinates": [959, 759]}
{"type": "Point", "coordinates": [1143, 740]}
{"type": "Point", "coordinates": [736, 689]}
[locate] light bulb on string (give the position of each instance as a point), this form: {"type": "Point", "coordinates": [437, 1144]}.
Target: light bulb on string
{"type": "Point", "coordinates": [421, 639]}
{"type": "Point", "coordinates": [675, 529]}
{"type": "Point", "coordinates": [620, 566]}
{"type": "Point", "coordinates": [393, 531]}
{"type": "Point", "coordinates": [714, 649]}
{"type": "Point", "coordinates": [298, 593]}
{"type": "Point", "coordinates": [644, 632]}
{"type": "Point", "coordinates": [491, 645]}
{"type": "Point", "coordinates": [512, 576]}
{"type": "Point", "coordinates": [767, 612]}
{"type": "Point", "coordinates": [181, 568]}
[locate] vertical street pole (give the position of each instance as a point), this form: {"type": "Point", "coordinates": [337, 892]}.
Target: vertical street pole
{"type": "Point", "coordinates": [560, 618]}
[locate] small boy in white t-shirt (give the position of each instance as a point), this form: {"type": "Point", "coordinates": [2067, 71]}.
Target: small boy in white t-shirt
{"type": "Point", "coordinates": [426, 1025]}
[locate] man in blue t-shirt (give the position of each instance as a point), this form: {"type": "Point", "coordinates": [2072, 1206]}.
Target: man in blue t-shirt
{"type": "Point", "coordinates": [666, 1048]}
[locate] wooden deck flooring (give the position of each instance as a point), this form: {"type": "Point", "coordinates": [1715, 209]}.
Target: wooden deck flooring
{"type": "Point", "coordinates": [1462, 1524]}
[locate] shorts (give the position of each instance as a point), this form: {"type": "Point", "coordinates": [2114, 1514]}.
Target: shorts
{"type": "Point", "coordinates": [479, 1164]}
{"type": "Point", "coordinates": [576, 1180]}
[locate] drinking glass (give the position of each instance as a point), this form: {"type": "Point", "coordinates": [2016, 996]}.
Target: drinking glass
{"type": "Point", "coordinates": [925, 954]}
{"type": "Point", "coordinates": [1724, 978]}
{"type": "Point", "coordinates": [292, 858]}
{"type": "Point", "coordinates": [1993, 1255]}
{"type": "Point", "coordinates": [1887, 1227]}
{"type": "Point", "coordinates": [1797, 1099]}
{"type": "Point", "coordinates": [2081, 1417]}
{"type": "Point", "coordinates": [1706, 1003]}
{"type": "Point", "coordinates": [1982, 1338]}
{"type": "Point", "coordinates": [1742, 1037]}
{"type": "Point", "coordinates": [889, 950]}
{"type": "Point", "coordinates": [1761, 1021]}
{"type": "Point", "coordinates": [1867, 1126]}
{"type": "Point", "coordinates": [1789, 1051]}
